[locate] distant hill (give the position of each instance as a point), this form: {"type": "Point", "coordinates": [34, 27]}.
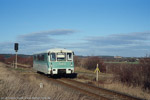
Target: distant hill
{"type": "Point", "coordinates": [9, 55]}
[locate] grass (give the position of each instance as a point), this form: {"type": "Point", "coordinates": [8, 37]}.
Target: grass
{"type": "Point", "coordinates": [134, 91]}
{"type": "Point", "coordinates": [107, 81]}
{"type": "Point", "coordinates": [20, 69]}
{"type": "Point", "coordinates": [82, 70]}
{"type": "Point", "coordinates": [15, 84]}
{"type": "Point", "coordinates": [123, 62]}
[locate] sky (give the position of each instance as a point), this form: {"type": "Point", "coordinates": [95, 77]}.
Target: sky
{"type": "Point", "coordinates": [88, 27]}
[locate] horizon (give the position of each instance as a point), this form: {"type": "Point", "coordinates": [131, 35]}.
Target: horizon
{"type": "Point", "coordinates": [83, 55]}
{"type": "Point", "coordinates": [91, 27]}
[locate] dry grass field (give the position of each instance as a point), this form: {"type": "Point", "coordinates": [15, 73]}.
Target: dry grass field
{"type": "Point", "coordinates": [15, 84]}
{"type": "Point", "coordinates": [24, 83]}
{"type": "Point", "coordinates": [107, 81]}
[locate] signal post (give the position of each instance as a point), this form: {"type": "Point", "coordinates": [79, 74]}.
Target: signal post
{"type": "Point", "coordinates": [97, 71]}
{"type": "Point", "coordinates": [16, 49]}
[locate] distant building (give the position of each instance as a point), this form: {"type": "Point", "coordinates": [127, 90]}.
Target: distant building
{"type": "Point", "coordinates": [117, 57]}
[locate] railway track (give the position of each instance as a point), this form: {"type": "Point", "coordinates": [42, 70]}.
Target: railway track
{"type": "Point", "coordinates": [108, 94]}
{"type": "Point", "coordinates": [92, 91]}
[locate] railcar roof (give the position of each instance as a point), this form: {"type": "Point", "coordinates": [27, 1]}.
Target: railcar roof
{"type": "Point", "coordinates": [56, 50]}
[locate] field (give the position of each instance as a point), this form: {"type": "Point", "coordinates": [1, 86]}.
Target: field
{"type": "Point", "coordinates": [128, 77]}
{"type": "Point", "coordinates": [27, 85]}
{"type": "Point", "coordinates": [107, 81]}
{"type": "Point", "coordinates": [18, 83]}
{"type": "Point", "coordinates": [136, 62]}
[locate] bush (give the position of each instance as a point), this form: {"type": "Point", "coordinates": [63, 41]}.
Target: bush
{"type": "Point", "coordinates": [133, 74]}
{"type": "Point", "coordinates": [91, 63]}
{"type": "Point", "coordinates": [21, 60]}
{"type": "Point", "coordinates": [130, 74]}
{"type": "Point", "coordinates": [145, 65]}
{"type": "Point", "coordinates": [77, 61]}
{"type": "Point", "coordinates": [2, 58]}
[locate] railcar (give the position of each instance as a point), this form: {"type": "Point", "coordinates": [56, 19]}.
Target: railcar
{"type": "Point", "coordinates": [54, 61]}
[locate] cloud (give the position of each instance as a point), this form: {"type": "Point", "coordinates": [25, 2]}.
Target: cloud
{"type": "Point", "coordinates": [120, 39]}
{"type": "Point", "coordinates": [37, 41]}
{"type": "Point", "coordinates": [43, 40]}
{"type": "Point", "coordinates": [44, 36]}
{"type": "Point", "coordinates": [131, 44]}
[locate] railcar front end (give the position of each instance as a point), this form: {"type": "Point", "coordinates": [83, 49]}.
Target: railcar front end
{"type": "Point", "coordinates": [61, 62]}
{"type": "Point", "coordinates": [54, 61]}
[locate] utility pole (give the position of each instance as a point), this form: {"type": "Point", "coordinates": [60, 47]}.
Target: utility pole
{"type": "Point", "coordinates": [16, 49]}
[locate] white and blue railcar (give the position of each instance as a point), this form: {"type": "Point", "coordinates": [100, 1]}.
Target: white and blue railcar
{"type": "Point", "coordinates": [54, 61]}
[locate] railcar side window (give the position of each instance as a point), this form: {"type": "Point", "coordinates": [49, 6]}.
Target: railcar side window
{"type": "Point", "coordinates": [53, 57]}
{"type": "Point", "coordinates": [69, 56]}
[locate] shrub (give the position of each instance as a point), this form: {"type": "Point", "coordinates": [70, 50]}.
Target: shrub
{"type": "Point", "coordinates": [133, 74]}
{"type": "Point", "coordinates": [2, 58]}
{"type": "Point", "coordinates": [129, 74]}
{"type": "Point", "coordinates": [77, 61]}
{"type": "Point", "coordinates": [145, 65]}
{"type": "Point", "coordinates": [21, 60]}
{"type": "Point", "coordinates": [91, 63]}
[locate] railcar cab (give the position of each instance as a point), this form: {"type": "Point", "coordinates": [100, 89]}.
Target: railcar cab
{"type": "Point", "coordinates": [61, 61]}
{"type": "Point", "coordinates": [61, 56]}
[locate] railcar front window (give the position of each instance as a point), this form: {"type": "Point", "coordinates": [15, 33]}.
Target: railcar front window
{"type": "Point", "coordinates": [53, 57]}
{"type": "Point", "coordinates": [69, 56]}
{"type": "Point", "coordinates": [61, 56]}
